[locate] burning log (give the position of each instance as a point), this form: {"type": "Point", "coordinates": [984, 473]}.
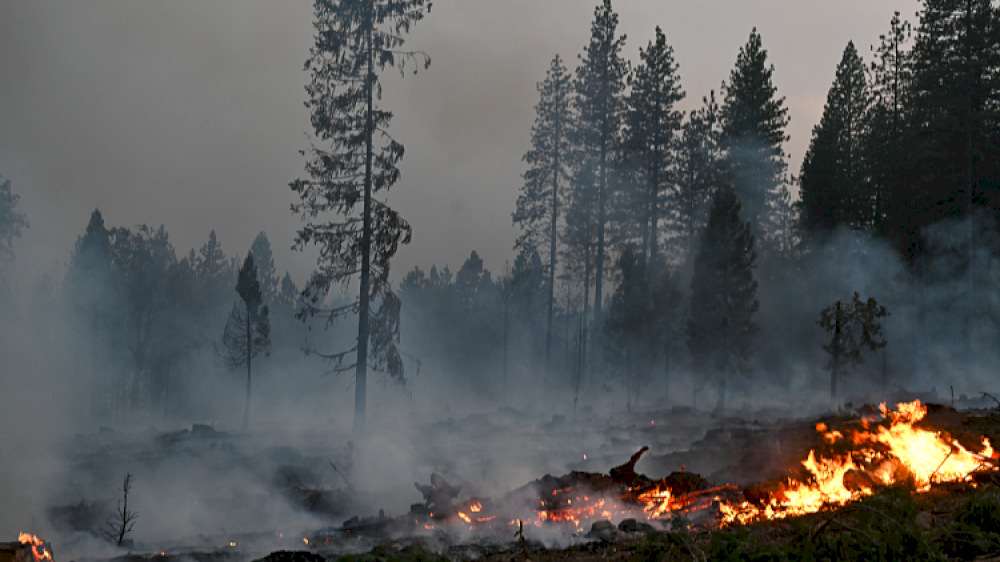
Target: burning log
{"type": "Point", "coordinates": [438, 498]}
{"type": "Point", "coordinates": [858, 481]}
{"type": "Point", "coordinates": [625, 473]}
{"type": "Point", "coordinates": [766, 493]}
{"type": "Point", "coordinates": [681, 483]}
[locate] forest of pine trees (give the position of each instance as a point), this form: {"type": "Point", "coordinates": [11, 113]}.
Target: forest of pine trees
{"type": "Point", "coordinates": [653, 240]}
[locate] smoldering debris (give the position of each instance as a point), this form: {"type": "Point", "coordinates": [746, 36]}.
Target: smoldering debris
{"type": "Point", "coordinates": [245, 494]}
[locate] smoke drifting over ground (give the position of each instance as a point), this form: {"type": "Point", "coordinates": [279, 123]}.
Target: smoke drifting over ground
{"type": "Point", "coordinates": [482, 406]}
{"type": "Point", "coordinates": [193, 486]}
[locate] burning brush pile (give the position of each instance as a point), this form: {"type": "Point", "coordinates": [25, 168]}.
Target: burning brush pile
{"type": "Point", "coordinates": [852, 459]}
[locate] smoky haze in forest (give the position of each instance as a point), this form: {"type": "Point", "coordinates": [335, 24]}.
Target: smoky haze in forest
{"type": "Point", "coordinates": [151, 148]}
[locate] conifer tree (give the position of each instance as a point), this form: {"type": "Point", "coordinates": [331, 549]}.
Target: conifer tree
{"type": "Point", "coordinates": [723, 294]}
{"type": "Point", "coordinates": [357, 233]}
{"type": "Point", "coordinates": [538, 206]}
{"type": "Point", "coordinates": [698, 171]}
{"type": "Point", "coordinates": [952, 139]}
{"type": "Point", "coordinates": [264, 261]}
{"type": "Point", "coordinates": [12, 221]}
{"type": "Point", "coordinates": [652, 125]}
{"type": "Point", "coordinates": [889, 80]}
{"type": "Point", "coordinates": [600, 86]}
{"type": "Point", "coordinates": [212, 271]}
{"type": "Point", "coordinates": [753, 128]}
{"type": "Point", "coordinates": [89, 287]}
{"type": "Point", "coordinates": [141, 263]}
{"type": "Point", "coordinates": [631, 342]}
{"type": "Point", "coordinates": [834, 181]}
{"type": "Point", "coordinates": [248, 331]}
{"type": "Point", "coordinates": [580, 240]}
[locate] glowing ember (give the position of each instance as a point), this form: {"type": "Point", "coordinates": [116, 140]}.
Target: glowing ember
{"type": "Point", "coordinates": [657, 502]}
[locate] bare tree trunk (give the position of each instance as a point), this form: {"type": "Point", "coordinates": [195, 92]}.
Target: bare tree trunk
{"type": "Point", "coordinates": [836, 354]}
{"type": "Point", "coordinates": [599, 274]}
{"type": "Point", "coordinates": [361, 371]}
{"type": "Point", "coordinates": [552, 248]}
{"type": "Point", "coordinates": [586, 310]}
{"type": "Point", "coordinates": [246, 408]}
{"type": "Point", "coordinates": [720, 404]}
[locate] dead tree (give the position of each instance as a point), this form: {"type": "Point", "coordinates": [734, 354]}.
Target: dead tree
{"type": "Point", "coordinates": [121, 524]}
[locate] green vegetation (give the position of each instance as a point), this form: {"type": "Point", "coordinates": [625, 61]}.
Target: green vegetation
{"type": "Point", "coordinates": [887, 526]}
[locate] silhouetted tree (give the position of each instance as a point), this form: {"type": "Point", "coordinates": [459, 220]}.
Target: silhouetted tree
{"type": "Point", "coordinates": [527, 291]}
{"type": "Point", "coordinates": [753, 129]}
{"type": "Point", "coordinates": [652, 125]}
{"type": "Point", "coordinates": [852, 326]}
{"type": "Point", "coordinates": [355, 41]}
{"type": "Point", "coordinates": [697, 172]}
{"type": "Point", "coordinates": [667, 296]}
{"type": "Point", "coordinates": [266, 274]}
{"type": "Point", "coordinates": [890, 76]}
{"type": "Point", "coordinates": [631, 341]}
{"type": "Point", "coordinates": [248, 331]}
{"type": "Point", "coordinates": [141, 264]}
{"type": "Point", "coordinates": [214, 276]}
{"type": "Point", "coordinates": [120, 524]}
{"type": "Point", "coordinates": [600, 103]}
{"type": "Point", "coordinates": [89, 289]}
{"type": "Point", "coordinates": [952, 135]}
{"type": "Point", "coordinates": [12, 221]}
{"type": "Point", "coordinates": [580, 238]}
{"type": "Point", "coordinates": [723, 294]}
{"type": "Point", "coordinates": [538, 206]}
{"type": "Point", "coordinates": [834, 181]}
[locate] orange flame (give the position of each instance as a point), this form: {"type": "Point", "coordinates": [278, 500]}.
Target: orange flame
{"type": "Point", "coordinates": [893, 449]}
{"type": "Point", "coordinates": [38, 549]}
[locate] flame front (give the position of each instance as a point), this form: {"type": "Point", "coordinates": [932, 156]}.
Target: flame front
{"type": "Point", "coordinates": [850, 462]}
{"type": "Point", "coordinates": [892, 450]}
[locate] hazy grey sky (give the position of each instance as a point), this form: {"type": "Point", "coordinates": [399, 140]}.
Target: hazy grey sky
{"type": "Point", "coordinates": [189, 113]}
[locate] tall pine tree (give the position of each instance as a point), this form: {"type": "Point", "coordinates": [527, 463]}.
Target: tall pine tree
{"type": "Point", "coordinates": [723, 294]}
{"type": "Point", "coordinates": [697, 172]}
{"type": "Point", "coordinates": [953, 132]}
{"type": "Point", "coordinates": [12, 221]}
{"type": "Point", "coordinates": [753, 128]}
{"type": "Point", "coordinates": [652, 126]}
{"type": "Point", "coordinates": [96, 312]}
{"type": "Point", "coordinates": [264, 261]}
{"type": "Point", "coordinates": [834, 181]}
{"type": "Point", "coordinates": [355, 41]}
{"type": "Point", "coordinates": [248, 331]}
{"type": "Point", "coordinates": [600, 103]}
{"type": "Point", "coordinates": [631, 342]}
{"type": "Point", "coordinates": [538, 206]}
{"type": "Point", "coordinates": [890, 73]}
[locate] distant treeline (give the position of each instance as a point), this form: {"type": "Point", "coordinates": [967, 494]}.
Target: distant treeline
{"type": "Point", "coordinates": [686, 213]}
{"type": "Point", "coordinates": [144, 319]}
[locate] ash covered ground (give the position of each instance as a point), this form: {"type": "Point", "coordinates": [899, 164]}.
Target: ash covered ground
{"type": "Point", "coordinates": [204, 487]}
